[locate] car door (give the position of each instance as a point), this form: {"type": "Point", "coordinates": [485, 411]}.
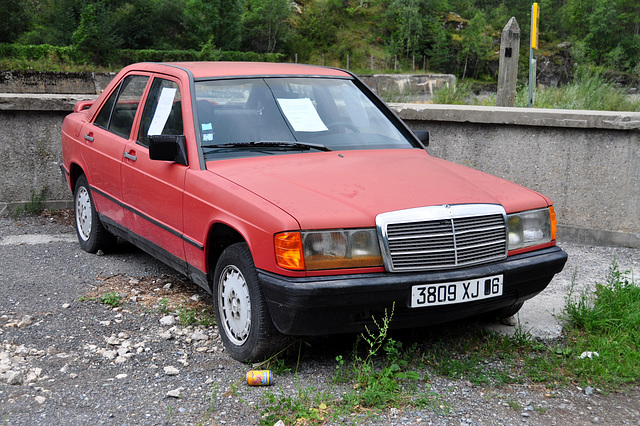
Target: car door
{"type": "Point", "coordinates": [152, 189]}
{"type": "Point", "coordinates": [106, 138]}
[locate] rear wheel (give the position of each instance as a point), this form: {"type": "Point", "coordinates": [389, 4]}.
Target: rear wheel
{"type": "Point", "coordinates": [242, 315]}
{"type": "Point", "coordinates": [91, 233]}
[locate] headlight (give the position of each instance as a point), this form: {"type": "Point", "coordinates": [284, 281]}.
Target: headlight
{"type": "Point", "coordinates": [532, 227]}
{"type": "Point", "coordinates": [331, 249]}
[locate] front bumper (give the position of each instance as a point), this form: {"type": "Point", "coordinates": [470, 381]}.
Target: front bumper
{"type": "Point", "coordinates": [346, 303]}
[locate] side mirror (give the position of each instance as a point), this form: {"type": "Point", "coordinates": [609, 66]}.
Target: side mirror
{"type": "Point", "coordinates": [423, 135]}
{"type": "Point", "coordinates": [168, 148]}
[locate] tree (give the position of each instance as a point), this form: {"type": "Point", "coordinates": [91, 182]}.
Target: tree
{"type": "Point", "coordinates": [266, 24]}
{"type": "Point", "coordinates": [96, 36]}
{"type": "Point", "coordinates": [215, 22]}
{"type": "Point", "coordinates": [476, 44]}
{"type": "Point", "coordinates": [408, 25]}
{"type": "Point", "coordinates": [14, 20]}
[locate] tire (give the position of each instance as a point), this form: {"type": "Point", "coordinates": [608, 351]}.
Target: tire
{"type": "Point", "coordinates": [505, 315]}
{"type": "Point", "coordinates": [509, 311]}
{"type": "Point", "coordinates": [92, 235]}
{"type": "Point", "coordinates": [243, 319]}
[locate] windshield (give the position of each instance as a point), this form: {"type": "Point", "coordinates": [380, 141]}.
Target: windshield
{"type": "Point", "coordinates": [248, 117]}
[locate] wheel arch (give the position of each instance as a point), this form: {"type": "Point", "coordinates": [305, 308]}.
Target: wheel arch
{"type": "Point", "coordinates": [75, 171]}
{"type": "Point", "coordinates": [219, 238]}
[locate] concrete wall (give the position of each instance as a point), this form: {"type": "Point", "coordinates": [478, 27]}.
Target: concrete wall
{"type": "Point", "coordinates": [24, 81]}
{"type": "Point", "coordinates": [415, 88]}
{"type": "Point", "coordinates": [588, 162]}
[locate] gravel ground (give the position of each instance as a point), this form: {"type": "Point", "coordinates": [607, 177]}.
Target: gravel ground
{"type": "Point", "coordinates": [68, 359]}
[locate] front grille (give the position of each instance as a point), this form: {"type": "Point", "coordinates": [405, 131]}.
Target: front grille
{"type": "Point", "coordinates": [441, 237]}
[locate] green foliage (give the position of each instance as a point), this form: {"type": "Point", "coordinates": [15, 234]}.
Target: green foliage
{"type": "Point", "coordinates": [378, 383]}
{"type": "Point", "coordinates": [305, 407]}
{"type": "Point", "coordinates": [453, 36]}
{"type": "Point", "coordinates": [55, 57]}
{"type": "Point", "coordinates": [14, 20]}
{"type": "Point", "coordinates": [196, 316]}
{"type": "Point", "coordinates": [588, 91]}
{"type": "Point", "coordinates": [112, 299]}
{"type": "Point", "coordinates": [606, 322]}
{"type": "Point", "coordinates": [475, 46]}
{"type": "Point", "coordinates": [35, 206]}
{"type": "Point", "coordinates": [382, 372]}
{"type": "Point", "coordinates": [266, 24]}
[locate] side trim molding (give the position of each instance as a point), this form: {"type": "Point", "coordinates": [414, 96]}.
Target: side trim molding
{"type": "Point", "coordinates": [149, 219]}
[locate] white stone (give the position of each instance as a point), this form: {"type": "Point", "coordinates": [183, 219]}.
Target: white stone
{"type": "Point", "coordinates": [110, 355]}
{"type": "Point", "coordinates": [171, 371]}
{"type": "Point", "coordinates": [113, 341]}
{"type": "Point", "coordinates": [199, 335]}
{"type": "Point", "coordinates": [175, 393]}
{"type": "Point", "coordinates": [22, 350]}
{"type": "Point", "coordinates": [40, 399]}
{"type": "Point", "coordinates": [12, 377]}
{"type": "Point", "coordinates": [26, 321]}
{"type": "Point", "coordinates": [165, 335]}
{"type": "Point", "coordinates": [167, 320]}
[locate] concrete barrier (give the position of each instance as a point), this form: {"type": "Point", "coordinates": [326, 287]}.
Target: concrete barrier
{"type": "Point", "coordinates": [588, 162]}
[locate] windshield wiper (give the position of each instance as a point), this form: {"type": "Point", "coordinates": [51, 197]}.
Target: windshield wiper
{"type": "Point", "coordinates": [261, 144]}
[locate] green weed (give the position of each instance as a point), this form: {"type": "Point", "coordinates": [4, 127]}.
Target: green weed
{"type": "Point", "coordinates": [196, 316]}
{"type": "Point", "coordinates": [112, 299]}
{"type": "Point", "coordinates": [305, 407]}
{"type": "Point", "coordinates": [605, 320]}
{"type": "Point", "coordinates": [35, 206]}
{"type": "Point", "coordinates": [588, 91]}
{"type": "Point", "coordinates": [383, 372]}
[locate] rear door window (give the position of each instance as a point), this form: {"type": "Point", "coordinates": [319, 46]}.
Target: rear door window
{"type": "Point", "coordinates": [119, 111]}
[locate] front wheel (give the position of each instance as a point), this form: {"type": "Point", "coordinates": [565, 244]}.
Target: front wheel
{"type": "Point", "coordinates": [243, 318]}
{"type": "Point", "coordinates": [506, 315]}
{"type": "Point", "coordinates": [92, 236]}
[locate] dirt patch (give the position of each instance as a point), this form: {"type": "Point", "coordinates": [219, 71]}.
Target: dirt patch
{"type": "Point", "coordinates": [166, 292]}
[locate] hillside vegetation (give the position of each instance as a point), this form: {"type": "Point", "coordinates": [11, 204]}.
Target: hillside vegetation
{"type": "Point", "coordinates": [450, 36]}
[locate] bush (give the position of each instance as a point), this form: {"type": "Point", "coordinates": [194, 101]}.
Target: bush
{"type": "Point", "coordinates": [48, 54]}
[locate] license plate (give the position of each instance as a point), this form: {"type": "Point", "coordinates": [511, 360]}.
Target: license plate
{"type": "Point", "coordinates": [456, 292]}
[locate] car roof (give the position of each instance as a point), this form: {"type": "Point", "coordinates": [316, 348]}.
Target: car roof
{"type": "Point", "coordinates": [201, 70]}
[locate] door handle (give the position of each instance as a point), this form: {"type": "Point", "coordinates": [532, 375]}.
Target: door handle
{"type": "Point", "coordinates": [130, 156]}
{"type": "Point", "coordinates": [88, 137]}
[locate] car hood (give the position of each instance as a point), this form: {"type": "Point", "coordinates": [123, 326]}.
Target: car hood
{"type": "Point", "coordinates": [324, 190]}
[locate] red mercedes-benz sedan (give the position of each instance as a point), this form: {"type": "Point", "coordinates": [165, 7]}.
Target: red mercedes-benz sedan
{"type": "Point", "coordinates": [300, 201]}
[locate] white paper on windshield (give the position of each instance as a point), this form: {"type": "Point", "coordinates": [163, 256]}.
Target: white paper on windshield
{"type": "Point", "coordinates": [162, 111]}
{"type": "Point", "coordinates": [302, 115]}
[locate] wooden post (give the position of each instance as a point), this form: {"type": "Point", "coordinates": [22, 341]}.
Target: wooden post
{"type": "Point", "coordinates": [508, 70]}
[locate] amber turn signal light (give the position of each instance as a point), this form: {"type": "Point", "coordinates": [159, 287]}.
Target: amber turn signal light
{"type": "Point", "coordinates": [289, 254]}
